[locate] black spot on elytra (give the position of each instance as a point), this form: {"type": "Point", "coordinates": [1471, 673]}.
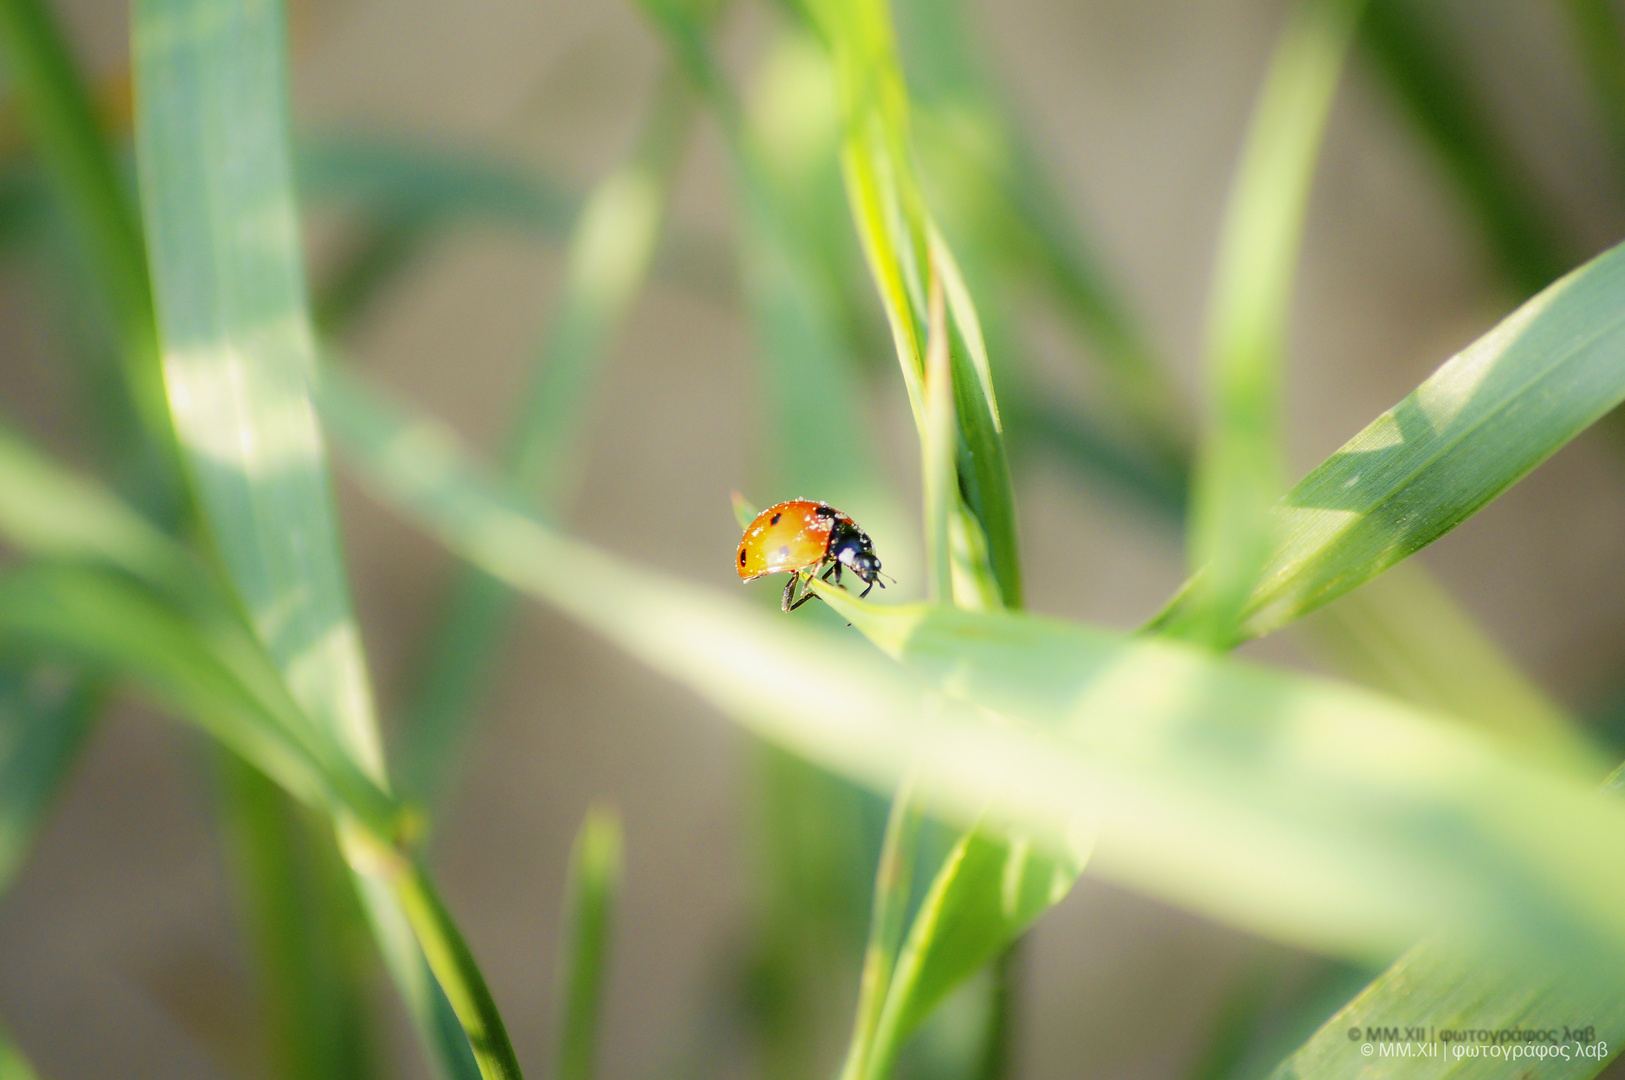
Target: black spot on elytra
{"type": "Point", "coordinates": [775, 519]}
{"type": "Point", "coordinates": [741, 556]}
{"type": "Point", "coordinates": [825, 511]}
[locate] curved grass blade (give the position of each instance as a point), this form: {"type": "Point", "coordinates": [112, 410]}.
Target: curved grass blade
{"type": "Point", "coordinates": [1304, 810]}
{"type": "Point", "coordinates": [1600, 39]}
{"type": "Point", "coordinates": [1238, 465]}
{"type": "Point", "coordinates": [239, 356]}
{"type": "Point", "coordinates": [591, 888]}
{"type": "Point", "coordinates": [1475, 427]}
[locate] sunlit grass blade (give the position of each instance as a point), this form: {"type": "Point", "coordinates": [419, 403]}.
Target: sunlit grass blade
{"type": "Point", "coordinates": [1239, 463]}
{"type": "Point", "coordinates": [62, 123]}
{"type": "Point", "coordinates": [1304, 810]}
{"type": "Point", "coordinates": [591, 889]}
{"type": "Point", "coordinates": [1451, 995]}
{"type": "Point", "coordinates": [613, 242]}
{"type": "Point", "coordinates": [1418, 62]}
{"type": "Point", "coordinates": [1475, 427]}
{"type": "Point", "coordinates": [45, 715]}
{"type": "Point", "coordinates": [239, 357]}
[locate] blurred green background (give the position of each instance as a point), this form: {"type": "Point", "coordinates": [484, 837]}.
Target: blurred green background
{"type": "Point", "coordinates": [443, 150]}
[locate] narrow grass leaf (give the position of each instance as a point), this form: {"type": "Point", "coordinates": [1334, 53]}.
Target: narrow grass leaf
{"type": "Point", "coordinates": [239, 357]}
{"type": "Point", "coordinates": [987, 893]}
{"type": "Point", "coordinates": [591, 889]}
{"type": "Point", "coordinates": [1305, 810]}
{"type": "Point", "coordinates": [45, 715]}
{"type": "Point", "coordinates": [1475, 427]}
{"type": "Point", "coordinates": [1238, 469]}
{"type": "Point", "coordinates": [1599, 37]}
{"type": "Point", "coordinates": [62, 122]}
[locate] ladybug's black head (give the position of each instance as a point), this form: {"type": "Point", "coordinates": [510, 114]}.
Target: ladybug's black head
{"type": "Point", "coordinates": [852, 548]}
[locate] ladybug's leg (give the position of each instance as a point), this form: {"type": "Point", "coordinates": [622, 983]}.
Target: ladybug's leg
{"type": "Point", "coordinates": [805, 596]}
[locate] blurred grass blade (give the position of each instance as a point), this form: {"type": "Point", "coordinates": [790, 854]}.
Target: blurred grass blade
{"type": "Point", "coordinates": [302, 919]}
{"type": "Point", "coordinates": [610, 251]}
{"type": "Point", "coordinates": [13, 1066]}
{"type": "Point", "coordinates": [986, 895]}
{"type": "Point", "coordinates": [45, 716]}
{"type": "Point", "coordinates": [1417, 61]}
{"type": "Point", "coordinates": [1600, 38]}
{"type": "Point", "coordinates": [1404, 635]}
{"type": "Point", "coordinates": [1471, 430]}
{"type": "Point", "coordinates": [995, 196]}
{"type": "Point", "coordinates": [591, 889]}
{"type": "Point", "coordinates": [63, 125]}
{"type": "Point", "coordinates": [1305, 810]}
{"type": "Point", "coordinates": [1239, 467]}
{"type": "Point", "coordinates": [239, 357]}
{"type": "Point", "coordinates": [894, 876]}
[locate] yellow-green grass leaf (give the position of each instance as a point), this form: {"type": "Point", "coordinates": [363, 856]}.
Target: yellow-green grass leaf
{"type": "Point", "coordinates": [591, 887]}
{"type": "Point", "coordinates": [239, 359]}
{"type": "Point", "coordinates": [987, 893]}
{"type": "Point", "coordinates": [1475, 427]}
{"type": "Point", "coordinates": [1305, 810]}
{"type": "Point", "coordinates": [13, 1066]}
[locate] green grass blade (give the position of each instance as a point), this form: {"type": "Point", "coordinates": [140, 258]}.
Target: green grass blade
{"type": "Point", "coordinates": [1238, 469]}
{"type": "Point", "coordinates": [1600, 39]}
{"type": "Point", "coordinates": [1418, 63]}
{"type": "Point", "coordinates": [985, 896]}
{"type": "Point", "coordinates": [60, 118]}
{"type": "Point", "coordinates": [13, 1066]}
{"type": "Point", "coordinates": [613, 243]}
{"type": "Point", "coordinates": [300, 922]}
{"type": "Point", "coordinates": [591, 888]}
{"type": "Point", "coordinates": [45, 716]}
{"type": "Point", "coordinates": [239, 357]}
{"type": "Point", "coordinates": [888, 912]}
{"type": "Point", "coordinates": [1471, 430]}
{"type": "Point", "coordinates": [1305, 810]}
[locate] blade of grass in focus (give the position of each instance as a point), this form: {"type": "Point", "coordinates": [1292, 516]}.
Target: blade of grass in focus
{"type": "Point", "coordinates": [1238, 467]}
{"type": "Point", "coordinates": [1274, 802]}
{"type": "Point", "coordinates": [239, 356]}
{"type": "Point", "coordinates": [612, 245]}
{"type": "Point", "coordinates": [1418, 63]}
{"type": "Point", "coordinates": [590, 889]}
{"type": "Point", "coordinates": [1476, 426]}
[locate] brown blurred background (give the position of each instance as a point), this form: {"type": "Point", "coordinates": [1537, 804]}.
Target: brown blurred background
{"type": "Point", "coordinates": [119, 955]}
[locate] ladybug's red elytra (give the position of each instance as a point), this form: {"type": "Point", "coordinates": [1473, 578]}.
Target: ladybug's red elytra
{"type": "Point", "coordinates": [804, 535]}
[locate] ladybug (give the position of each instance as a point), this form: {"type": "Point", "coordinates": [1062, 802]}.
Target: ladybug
{"type": "Point", "coordinates": [803, 535]}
